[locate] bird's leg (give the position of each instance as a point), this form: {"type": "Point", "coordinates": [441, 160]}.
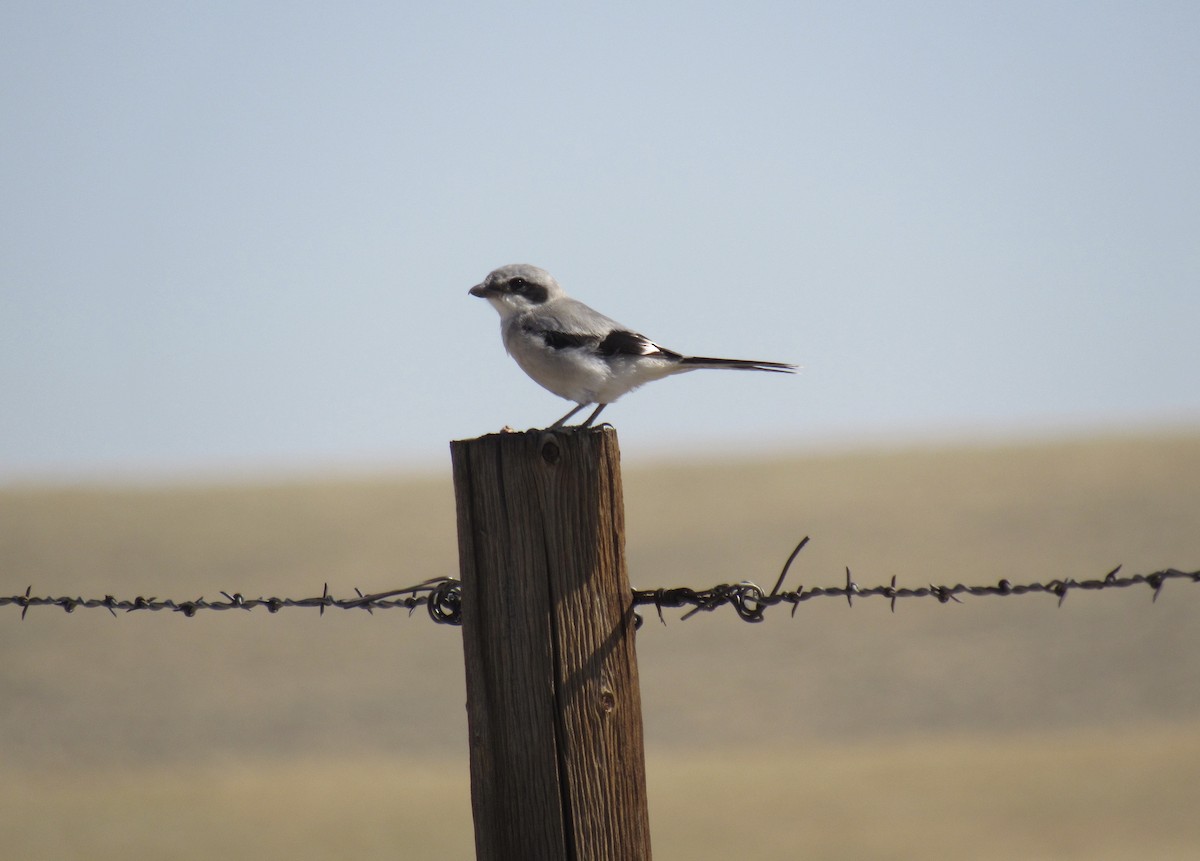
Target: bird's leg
{"type": "Point", "coordinates": [563, 420]}
{"type": "Point", "coordinates": [592, 417]}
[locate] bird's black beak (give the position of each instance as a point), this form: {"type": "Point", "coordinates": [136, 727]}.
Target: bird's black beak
{"type": "Point", "coordinates": [480, 290]}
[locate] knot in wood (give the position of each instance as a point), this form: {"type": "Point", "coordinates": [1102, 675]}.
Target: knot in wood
{"type": "Point", "coordinates": [608, 701]}
{"type": "Point", "coordinates": [550, 451]}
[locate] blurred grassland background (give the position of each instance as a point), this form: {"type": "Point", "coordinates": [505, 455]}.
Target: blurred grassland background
{"type": "Point", "coordinates": [993, 729]}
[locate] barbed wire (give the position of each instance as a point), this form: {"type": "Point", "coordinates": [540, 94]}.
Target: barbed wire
{"type": "Point", "coordinates": [442, 596]}
{"type": "Point", "coordinates": [750, 602]}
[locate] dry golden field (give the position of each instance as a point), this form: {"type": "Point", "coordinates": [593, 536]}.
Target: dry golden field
{"type": "Point", "coordinates": [992, 729]}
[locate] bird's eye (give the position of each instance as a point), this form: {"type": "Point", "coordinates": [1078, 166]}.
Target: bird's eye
{"type": "Point", "coordinates": [518, 285]}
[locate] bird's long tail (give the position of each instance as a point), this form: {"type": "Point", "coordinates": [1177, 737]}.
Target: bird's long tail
{"type": "Point", "coordinates": [738, 364]}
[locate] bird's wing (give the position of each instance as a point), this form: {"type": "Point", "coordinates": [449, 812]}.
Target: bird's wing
{"type": "Point", "coordinates": [573, 324]}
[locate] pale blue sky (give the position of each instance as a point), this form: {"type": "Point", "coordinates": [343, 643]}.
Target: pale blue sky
{"type": "Point", "coordinates": [239, 236]}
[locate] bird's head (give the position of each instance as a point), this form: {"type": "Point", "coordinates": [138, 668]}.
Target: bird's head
{"type": "Point", "coordinates": [517, 288]}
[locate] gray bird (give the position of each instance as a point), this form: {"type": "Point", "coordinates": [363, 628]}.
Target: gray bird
{"type": "Point", "coordinates": [578, 353]}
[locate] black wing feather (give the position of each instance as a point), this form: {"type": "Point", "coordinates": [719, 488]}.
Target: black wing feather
{"type": "Point", "coordinates": [566, 340]}
{"type": "Point", "coordinates": [620, 342]}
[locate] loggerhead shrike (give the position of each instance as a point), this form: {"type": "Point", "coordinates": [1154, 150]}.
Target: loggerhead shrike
{"type": "Point", "coordinates": [577, 353]}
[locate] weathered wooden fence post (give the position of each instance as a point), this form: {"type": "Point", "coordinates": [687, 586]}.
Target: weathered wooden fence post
{"type": "Point", "coordinates": [557, 763]}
